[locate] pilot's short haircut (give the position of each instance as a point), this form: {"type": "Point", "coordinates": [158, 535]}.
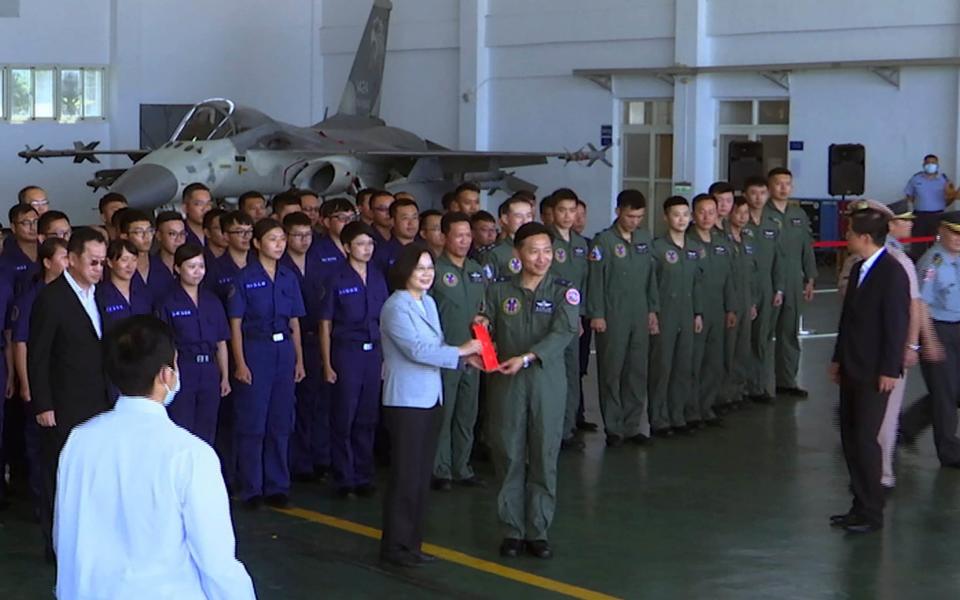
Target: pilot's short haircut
{"type": "Point", "coordinates": [674, 201]}
{"type": "Point", "coordinates": [779, 171]}
{"type": "Point", "coordinates": [167, 216]}
{"type": "Point", "coordinates": [285, 199]}
{"type": "Point", "coordinates": [301, 192]}
{"type": "Point", "coordinates": [466, 186]}
{"type": "Point", "coordinates": [352, 231]}
{"type": "Point", "coordinates": [528, 230]}
{"type": "Point", "coordinates": [720, 187]}
{"type": "Point", "coordinates": [754, 181]}
{"type": "Point", "coordinates": [336, 205]}
{"type": "Point", "coordinates": [127, 216]}
{"type": "Point", "coordinates": [135, 351]}
{"type": "Point", "coordinates": [22, 194]}
{"type": "Point", "coordinates": [211, 216]}
{"type": "Point", "coordinates": [401, 195]}
{"type": "Point", "coordinates": [235, 217]}
{"type": "Point", "coordinates": [296, 219]}
{"type": "Point", "coordinates": [482, 216]}
{"type": "Point", "coordinates": [193, 187]}
{"type": "Point", "coordinates": [581, 203]}
{"type": "Point", "coordinates": [526, 195]}
{"type": "Point", "coordinates": [504, 208]}
{"type": "Point", "coordinates": [447, 200]}
{"type": "Point", "coordinates": [378, 193]}
{"type": "Point", "coordinates": [547, 203]}
{"type": "Point", "coordinates": [739, 200]}
{"type": "Point", "coordinates": [264, 226]}
{"type": "Point", "coordinates": [110, 198]}
{"type": "Point", "coordinates": [702, 198]}
{"type": "Point", "coordinates": [18, 210]}
{"type": "Point", "coordinates": [365, 195]}
{"type": "Point", "coordinates": [432, 212]}
{"type": "Point", "coordinates": [447, 221]}
{"type": "Point", "coordinates": [400, 203]}
{"type": "Point", "coordinates": [563, 194]}
{"type": "Point", "coordinates": [80, 238]}
{"type": "Point", "coordinates": [116, 248]}
{"type": "Point", "coordinates": [49, 217]}
{"type": "Point", "coordinates": [186, 252]}
{"type": "Point", "coordinates": [931, 157]}
{"type": "Point", "coordinates": [631, 199]}
{"type": "Point", "coordinates": [242, 200]}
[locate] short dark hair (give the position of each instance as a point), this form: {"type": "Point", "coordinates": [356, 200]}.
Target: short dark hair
{"type": "Point", "coordinates": [49, 247]}
{"type": "Point", "coordinates": [22, 194]}
{"type": "Point", "coordinates": [504, 208]}
{"type": "Point", "coordinates": [702, 198]}
{"type": "Point", "coordinates": [18, 210]}
{"type": "Point", "coordinates": [631, 199]}
{"type": "Point", "coordinates": [447, 200]}
{"type": "Point", "coordinates": [352, 231]}
{"type": "Point", "coordinates": [400, 203]}
{"type": "Point", "coordinates": [168, 216]}
{"type": "Point", "coordinates": [242, 200]}
{"type": "Point", "coordinates": [285, 199]}
{"type": "Point", "coordinates": [335, 205]}
{"type": "Point", "coordinates": [49, 217]}
{"type": "Point", "coordinates": [235, 217]}
{"type": "Point", "coordinates": [378, 193]}
{"type": "Point", "coordinates": [755, 181]}
{"type": "Point", "coordinates": [482, 215]}
{"type": "Point", "coordinates": [406, 262]}
{"type": "Point", "coordinates": [454, 217]}
{"type": "Point", "coordinates": [547, 202]}
{"type": "Point", "coordinates": [466, 186]}
{"type": "Point", "coordinates": [720, 187]}
{"type": "Point", "coordinates": [431, 212]}
{"type": "Point", "coordinates": [581, 203]}
{"type": "Point", "coordinates": [111, 197]}
{"type": "Point", "coordinates": [563, 194]}
{"type": "Point", "coordinates": [80, 237]}
{"type": "Point", "coordinates": [872, 222]}
{"type": "Point", "coordinates": [296, 219]}
{"type": "Point", "coordinates": [135, 350]}
{"type": "Point", "coordinates": [128, 216]}
{"type": "Point", "coordinates": [929, 156]}
{"type": "Point", "coordinates": [674, 201]}
{"type": "Point", "coordinates": [739, 200]}
{"type": "Point", "coordinates": [213, 213]}
{"type": "Point", "coordinates": [190, 189]}
{"type": "Point", "coordinates": [526, 195]}
{"type": "Point", "coordinates": [264, 226]}
{"type": "Point", "coordinates": [529, 230]}
{"type": "Point", "coordinates": [779, 171]}
{"type": "Point", "coordinates": [365, 194]}
{"type": "Point", "coordinates": [116, 248]}
{"type": "Point", "coordinates": [186, 252]}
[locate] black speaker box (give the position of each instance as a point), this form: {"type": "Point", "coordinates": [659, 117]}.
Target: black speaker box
{"type": "Point", "coordinates": [847, 169]}
{"type": "Point", "coordinates": [744, 160]}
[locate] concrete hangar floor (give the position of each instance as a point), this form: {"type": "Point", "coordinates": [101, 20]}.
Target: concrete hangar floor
{"type": "Point", "coordinates": [736, 512]}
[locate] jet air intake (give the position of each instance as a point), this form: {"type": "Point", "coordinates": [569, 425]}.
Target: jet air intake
{"type": "Point", "coordinates": [328, 175]}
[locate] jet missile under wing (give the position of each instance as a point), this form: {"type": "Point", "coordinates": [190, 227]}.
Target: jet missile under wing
{"type": "Point", "coordinates": [479, 161]}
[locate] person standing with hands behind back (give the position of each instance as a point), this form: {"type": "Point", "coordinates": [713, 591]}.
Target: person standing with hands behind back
{"type": "Point", "coordinates": [413, 353]}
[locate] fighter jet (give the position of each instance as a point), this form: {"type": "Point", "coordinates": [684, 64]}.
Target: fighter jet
{"type": "Point", "coordinates": [233, 148]}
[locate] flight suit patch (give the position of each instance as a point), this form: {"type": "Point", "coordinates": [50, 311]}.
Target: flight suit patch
{"type": "Point", "coordinates": [488, 271]}
{"type": "Point", "coordinates": [572, 297]}
{"type": "Point", "coordinates": [511, 306]}
{"type": "Point", "coordinates": [796, 221]}
{"type": "Point", "coordinates": [641, 248]}
{"type": "Point", "coordinates": [620, 250]}
{"type": "Point", "coordinates": [579, 252]}
{"type": "Point", "coordinates": [770, 234]}
{"type": "Point", "coordinates": [720, 250]}
{"type": "Point", "coordinates": [693, 254]}
{"type": "Point", "coordinates": [348, 291]}
{"type": "Point", "coordinates": [515, 265]}
{"type": "Point", "coordinates": [475, 277]}
{"type": "Point", "coordinates": [450, 279]}
{"type": "Point", "coordinates": [561, 255]}
{"type": "Point", "coordinates": [671, 256]}
{"type": "Point", "coordinates": [114, 308]}
{"type": "Point", "coordinates": [596, 254]}
{"type": "Point", "coordinates": [748, 249]}
{"type": "Point", "coordinates": [544, 307]}
{"type": "Point", "coordinates": [255, 285]}
{"type": "Point", "coordinates": [748, 232]}
{"type": "Point", "coordinates": [178, 313]}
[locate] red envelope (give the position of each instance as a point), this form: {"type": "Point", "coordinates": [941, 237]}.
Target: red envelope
{"type": "Point", "coordinates": [488, 354]}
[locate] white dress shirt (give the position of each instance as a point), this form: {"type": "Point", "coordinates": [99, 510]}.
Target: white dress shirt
{"type": "Point", "coordinates": [88, 301]}
{"type": "Point", "coordinates": [868, 264]}
{"type": "Point", "coordinates": [142, 512]}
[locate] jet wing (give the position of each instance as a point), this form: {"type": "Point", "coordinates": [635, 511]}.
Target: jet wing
{"type": "Point", "coordinates": [478, 161]}
{"type": "Point", "coordinates": [81, 152]}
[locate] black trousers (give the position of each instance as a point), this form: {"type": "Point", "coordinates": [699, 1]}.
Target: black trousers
{"type": "Point", "coordinates": [52, 440]}
{"type": "Point", "coordinates": [413, 445]}
{"type": "Point", "coordinates": [925, 224]}
{"type": "Point", "coordinates": [862, 407]}
{"type": "Point", "coordinates": [939, 406]}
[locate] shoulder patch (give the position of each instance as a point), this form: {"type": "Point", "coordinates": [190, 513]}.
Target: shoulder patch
{"type": "Point", "coordinates": [450, 279]}
{"type": "Point", "coordinates": [937, 259]}
{"type": "Point", "coordinates": [596, 254]}
{"type": "Point", "coordinates": [620, 250]}
{"type": "Point", "coordinates": [511, 306]}
{"type": "Point", "coordinates": [488, 271]}
{"type": "Point", "coordinates": [572, 296]}
{"type": "Point", "coordinates": [514, 265]}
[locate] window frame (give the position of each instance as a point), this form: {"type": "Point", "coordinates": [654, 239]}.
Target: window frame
{"type": "Point", "coordinates": [6, 95]}
{"type": "Point", "coordinates": [752, 132]}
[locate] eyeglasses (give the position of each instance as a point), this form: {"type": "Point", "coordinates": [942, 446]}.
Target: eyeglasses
{"type": "Point", "coordinates": [39, 203]}
{"type": "Point", "coordinates": [344, 218]}
{"type": "Point", "coordinates": [176, 235]}
{"type": "Point", "coordinates": [241, 232]}
{"type": "Point", "coordinates": [97, 262]}
{"type": "Point", "coordinates": [60, 233]}
{"type": "Point", "coordinates": [381, 209]}
{"type": "Point", "coordinates": [301, 236]}
{"type": "Point", "coordinates": [29, 223]}
{"type": "Point", "coordinates": [141, 232]}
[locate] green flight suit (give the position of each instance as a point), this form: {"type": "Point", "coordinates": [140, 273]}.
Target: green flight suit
{"type": "Point", "coordinates": [679, 276]}
{"type": "Point", "coordinates": [799, 266]}
{"type": "Point", "coordinates": [765, 239]}
{"type": "Point", "coordinates": [717, 299]}
{"type": "Point", "coordinates": [738, 353]}
{"type": "Point", "coordinates": [459, 294]}
{"type": "Point", "coordinates": [500, 262]}
{"type": "Point", "coordinates": [525, 411]}
{"type": "Point", "coordinates": [621, 289]}
{"type": "Point", "coordinates": [570, 264]}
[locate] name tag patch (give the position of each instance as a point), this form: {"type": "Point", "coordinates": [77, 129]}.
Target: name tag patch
{"type": "Point", "coordinates": [579, 252]}
{"type": "Point", "coordinates": [692, 255]}
{"type": "Point", "coordinates": [796, 221]}
{"type": "Point", "coordinates": [113, 308]}
{"type": "Point", "coordinates": [640, 248]}
{"type": "Point", "coordinates": [720, 250]}
{"type": "Point", "coordinates": [255, 285]}
{"type": "Point", "coordinates": [180, 313]}
{"type": "Point", "coordinates": [348, 290]}
{"type": "Point", "coordinates": [475, 277]}
{"type": "Point", "coordinates": [770, 234]}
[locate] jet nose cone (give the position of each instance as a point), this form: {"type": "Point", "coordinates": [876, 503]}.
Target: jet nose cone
{"type": "Point", "coordinates": [146, 186]}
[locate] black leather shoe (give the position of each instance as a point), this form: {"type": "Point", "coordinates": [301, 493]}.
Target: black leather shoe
{"type": "Point", "coordinates": [861, 527]}
{"type": "Point", "coordinates": [586, 426]}
{"type": "Point", "coordinates": [539, 549]}
{"type": "Point", "coordinates": [639, 440]}
{"type": "Point", "coordinates": [402, 559]}
{"type": "Point", "coordinates": [475, 482]}
{"type": "Point", "coordinates": [321, 471]}
{"type": "Point", "coordinates": [762, 399]}
{"type": "Point", "coordinates": [253, 503]}
{"type": "Point", "coordinates": [684, 430]}
{"type": "Point", "coordinates": [277, 500]}
{"type": "Point", "coordinates": [366, 490]}
{"type": "Point", "coordinates": [511, 547]}
{"type": "Point", "coordinates": [793, 392]}
{"type": "Point", "coordinates": [441, 484]}
{"type": "Point", "coordinates": [346, 493]}
{"type": "Point", "coordinates": [424, 558]}
{"type": "Point", "coordinates": [614, 441]}
{"type": "Point", "coordinates": [662, 433]}
{"type": "Point", "coordinates": [841, 520]}
{"type": "Point", "coordinates": [572, 443]}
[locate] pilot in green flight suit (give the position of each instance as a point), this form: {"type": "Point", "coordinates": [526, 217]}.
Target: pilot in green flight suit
{"type": "Point", "coordinates": [799, 274]}
{"type": "Point", "coordinates": [533, 319]}
{"type": "Point", "coordinates": [738, 354]}
{"type": "Point", "coordinates": [501, 261]}
{"type": "Point", "coordinates": [679, 276]}
{"type": "Point", "coordinates": [570, 265]}
{"type": "Point", "coordinates": [622, 302]}
{"type": "Point", "coordinates": [717, 294]}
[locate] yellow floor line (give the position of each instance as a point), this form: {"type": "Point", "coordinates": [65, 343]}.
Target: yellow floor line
{"type": "Point", "coordinates": [455, 557]}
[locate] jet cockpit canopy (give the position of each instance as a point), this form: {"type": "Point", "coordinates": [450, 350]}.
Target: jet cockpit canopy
{"type": "Point", "coordinates": [215, 119]}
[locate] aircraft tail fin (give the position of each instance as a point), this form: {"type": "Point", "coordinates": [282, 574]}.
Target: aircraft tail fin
{"type": "Point", "coordinates": [361, 96]}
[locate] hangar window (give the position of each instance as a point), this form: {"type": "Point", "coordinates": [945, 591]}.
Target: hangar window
{"type": "Point", "coordinates": [765, 121]}
{"type": "Point", "coordinates": [646, 144]}
{"type": "Point", "coordinates": [66, 94]}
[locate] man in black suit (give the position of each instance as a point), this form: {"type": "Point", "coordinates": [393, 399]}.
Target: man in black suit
{"type": "Point", "coordinates": [64, 362]}
{"type": "Point", "coordinates": [867, 361]}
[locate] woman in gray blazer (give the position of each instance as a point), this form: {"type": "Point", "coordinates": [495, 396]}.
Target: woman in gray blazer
{"type": "Point", "coordinates": [413, 354]}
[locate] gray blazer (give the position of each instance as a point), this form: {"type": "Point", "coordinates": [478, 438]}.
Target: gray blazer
{"type": "Point", "coordinates": [413, 352]}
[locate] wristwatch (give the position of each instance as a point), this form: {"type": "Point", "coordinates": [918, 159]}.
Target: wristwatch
{"type": "Point", "coordinates": [526, 361]}
{"type": "Point", "coordinates": [914, 347]}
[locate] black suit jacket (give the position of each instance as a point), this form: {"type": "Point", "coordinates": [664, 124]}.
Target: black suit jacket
{"type": "Point", "coordinates": [64, 358]}
{"type": "Point", "coordinates": [873, 325]}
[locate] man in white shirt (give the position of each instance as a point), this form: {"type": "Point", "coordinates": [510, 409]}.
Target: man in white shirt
{"type": "Point", "coordinates": [141, 508]}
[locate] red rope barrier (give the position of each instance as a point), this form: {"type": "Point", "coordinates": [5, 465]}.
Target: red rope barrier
{"type": "Point", "coordinates": [842, 244]}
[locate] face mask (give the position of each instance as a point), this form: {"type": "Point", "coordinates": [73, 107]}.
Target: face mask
{"type": "Point", "coordinates": [931, 168]}
{"type": "Point", "coordinates": [172, 392]}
